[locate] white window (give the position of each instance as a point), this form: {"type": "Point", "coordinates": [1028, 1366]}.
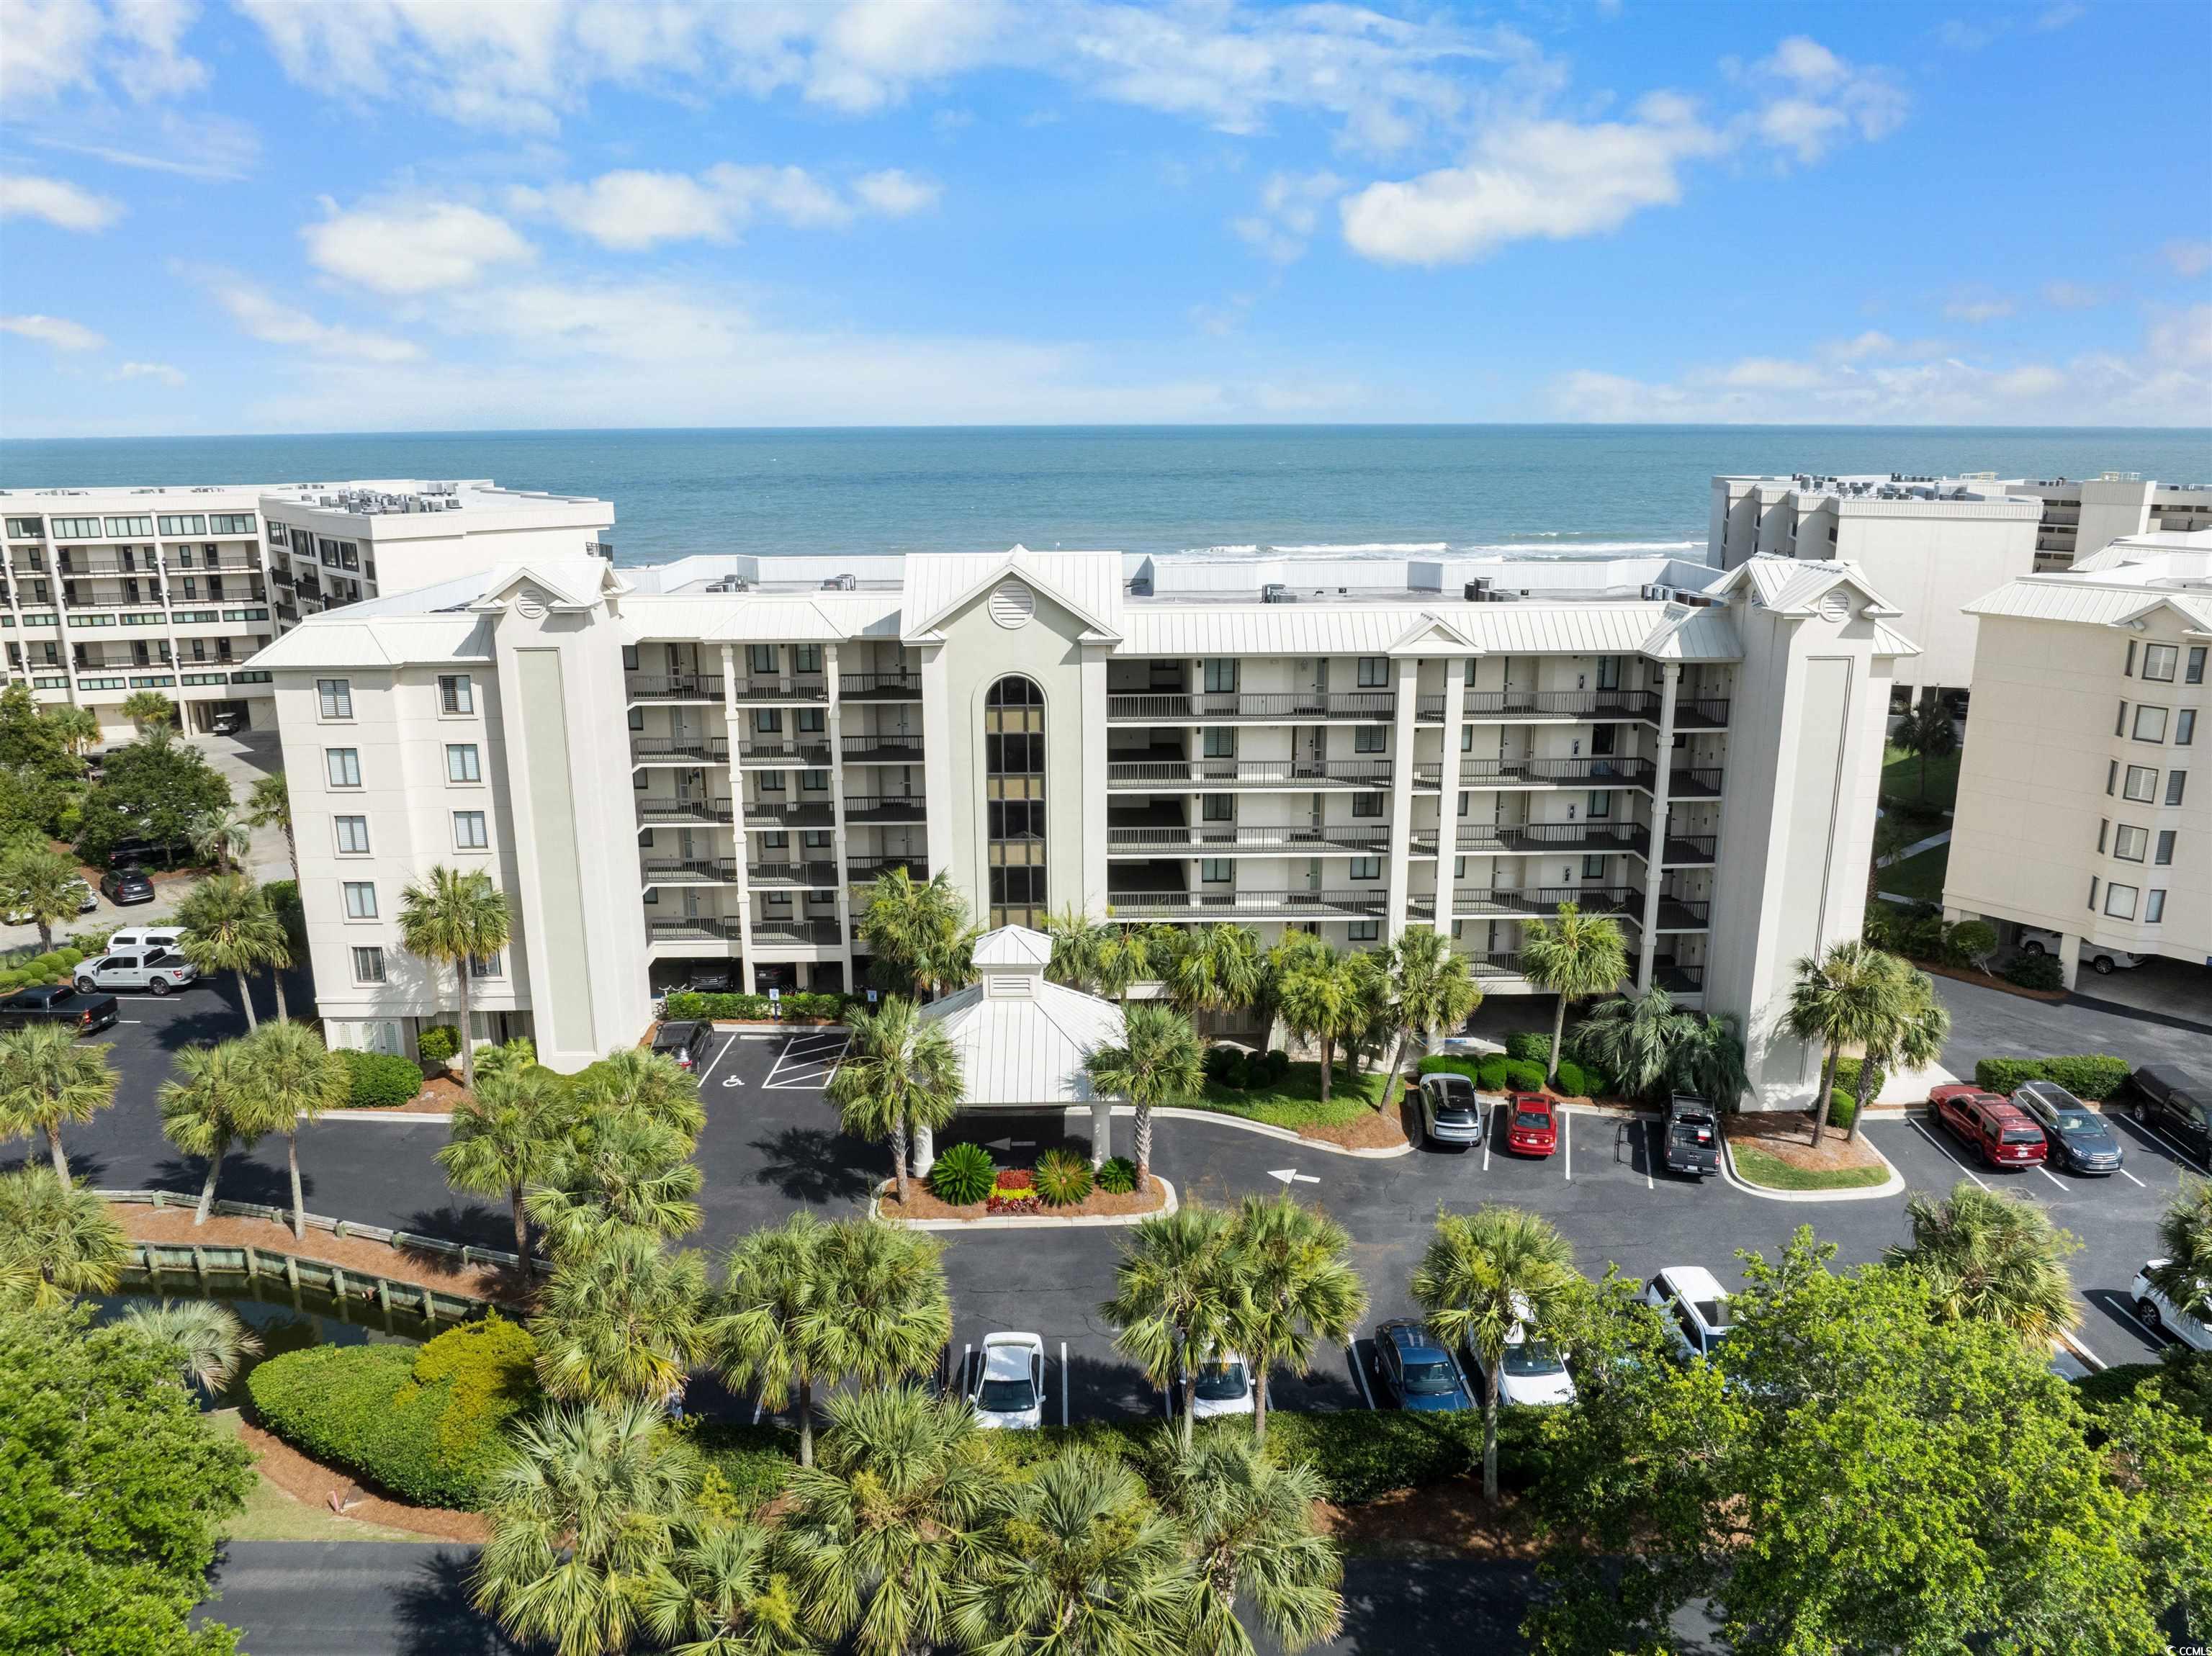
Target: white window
{"type": "Point", "coordinates": [337, 695]}
{"type": "Point", "coordinates": [1220, 742]}
{"type": "Point", "coordinates": [461, 763]}
{"type": "Point", "coordinates": [2155, 908]}
{"type": "Point", "coordinates": [343, 767]}
{"type": "Point", "coordinates": [1367, 868]}
{"type": "Point", "coordinates": [353, 835]}
{"type": "Point", "coordinates": [360, 900]}
{"type": "Point", "coordinates": [368, 965]}
{"type": "Point", "coordinates": [2129, 843]}
{"type": "Point", "coordinates": [2141, 784]}
{"type": "Point", "coordinates": [2120, 902]}
{"type": "Point", "coordinates": [2194, 673]}
{"type": "Point", "coordinates": [1221, 675]}
{"type": "Point", "coordinates": [761, 658]}
{"type": "Point", "coordinates": [805, 658]}
{"type": "Point", "coordinates": [457, 694]}
{"type": "Point", "coordinates": [2150, 724]}
{"type": "Point", "coordinates": [468, 831]}
{"type": "Point", "coordinates": [492, 965]}
{"type": "Point", "coordinates": [1369, 738]}
{"type": "Point", "coordinates": [2158, 661]}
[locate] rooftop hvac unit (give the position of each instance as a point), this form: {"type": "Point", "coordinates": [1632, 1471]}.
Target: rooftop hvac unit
{"type": "Point", "coordinates": [730, 584]}
{"type": "Point", "coordinates": [1478, 589]}
{"type": "Point", "coordinates": [1275, 592]}
{"type": "Point", "coordinates": [840, 584]}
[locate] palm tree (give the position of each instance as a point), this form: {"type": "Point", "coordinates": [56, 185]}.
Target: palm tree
{"type": "Point", "coordinates": [453, 919]}
{"type": "Point", "coordinates": [507, 1138]}
{"type": "Point", "coordinates": [882, 1530]}
{"type": "Point", "coordinates": [636, 1080]}
{"type": "Point", "coordinates": [516, 1055]}
{"type": "Point", "coordinates": [153, 713]}
{"type": "Point", "coordinates": [1301, 1285]}
{"type": "Point", "coordinates": [920, 930]}
{"type": "Point", "coordinates": [1708, 1059]}
{"type": "Point", "coordinates": [1181, 1291]}
{"type": "Point", "coordinates": [764, 1328]}
{"type": "Point", "coordinates": [76, 728]}
{"type": "Point", "coordinates": [1320, 996]}
{"type": "Point", "coordinates": [1429, 986]}
{"type": "Point", "coordinates": [1573, 956]}
{"type": "Point", "coordinates": [899, 1077]}
{"type": "Point", "coordinates": [1082, 1564]}
{"type": "Point", "coordinates": [1634, 1039]}
{"type": "Point", "coordinates": [1248, 1525]}
{"type": "Point", "coordinates": [620, 1319]}
{"type": "Point", "coordinates": [268, 804]}
{"type": "Point", "coordinates": [42, 883]}
{"type": "Point", "coordinates": [57, 1240]}
{"type": "Point", "coordinates": [208, 1107]}
{"type": "Point", "coordinates": [1073, 933]}
{"type": "Point", "coordinates": [883, 1314]}
{"type": "Point", "coordinates": [1219, 968]}
{"type": "Point", "coordinates": [584, 1517]}
{"type": "Point", "coordinates": [1909, 1027]}
{"type": "Point", "coordinates": [1992, 1258]}
{"type": "Point", "coordinates": [228, 927]}
{"type": "Point", "coordinates": [1928, 731]}
{"type": "Point", "coordinates": [223, 837]}
{"type": "Point", "coordinates": [1122, 955]}
{"type": "Point", "coordinates": [1846, 996]}
{"type": "Point", "coordinates": [1160, 1063]}
{"type": "Point", "coordinates": [213, 1341]}
{"type": "Point", "coordinates": [2185, 1237]}
{"type": "Point", "coordinates": [1485, 1274]}
{"type": "Point", "coordinates": [47, 1078]}
{"type": "Point", "coordinates": [610, 1171]}
{"type": "Point", "coordinates": [295, 1078]}
{"type": "Point", "coordinates": [721, 1594]}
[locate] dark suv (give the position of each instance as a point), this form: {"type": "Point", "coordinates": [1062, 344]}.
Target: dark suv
{"type": "Point", "coordinates": [686, 1043]}
{"type": "Point", "coordinates": [57, 1003]}
{"type": "Point", "coordinates": [126, 886]}
{"type": "Point", "coordinates": [1416, 1371]}
{"type": "Point", "coordinates": [2177, 1103]}
{"type": "Point", "coordinates": [2081, 1140]}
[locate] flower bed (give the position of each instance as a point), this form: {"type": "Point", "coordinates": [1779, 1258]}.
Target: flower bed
{"type": "Point", "coordinates": [922, 1202]}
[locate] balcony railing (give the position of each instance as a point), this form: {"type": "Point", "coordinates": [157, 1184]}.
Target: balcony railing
{"type": "Point", "coordinates": [1248, 773]}
{"type": "Point", "coordinates": [1502, 964]}
{"type": "Point", "coordinates": [1595, 706]}
{"type": "Point", "coordinates": [685, 811]}
{"type": "Point", "coordinates": [869, 873]}
{"type": "Point", "coordinates": [658, 871]}
{"type": "Point", "coordinates": [1689, 848]}
{"type": "Point", "coordinates": [1675, 977]}
{"type": "Point", "coordinates": [1534, 839]}
{"type": "Point", "coordinates": [884, 808]}
{"type": "Point", "coordinates": [676, 750]}
{"type": "Point", "coordinates": [698, 928]}
{"type": "Point", "coordinates": [804, 813]}
{"type": "Point", "coordinates": [894, 750]}
{"type": "Point", "coordinates": [1613, 772]}
{"type": "Point", "coordinates": [782, 689]}
{"type": "Point", "coordinates": [1211, 841]}
{"type": "Point", "coordinates": [1698, 782]}
{"type": "Point", "coordinates": [1306, 904]}
{"type": "Point", "coordinates": [811, 755]}
{"type": "Point", "coordinates": [780, 933]}
{"type": "Point", "coordinates": [680, 687]}
{"type": "Point", "coordinates": [1683, 914]}
{"type": "Point", "coordinates": [1544, 900]}
{"type": "Point", "coordinates": [878, 686]}
{"type": "Point", "coordinates": [820, 875]}
{"type": "Point", "coordinates": [1277, 705]}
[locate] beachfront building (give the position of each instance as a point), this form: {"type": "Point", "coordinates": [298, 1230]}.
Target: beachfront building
{"type": "Point", "coordinates": [106, 592]}
{"type": "Point", "coordinates": [694, 771]}
{"type": "Point", "coordinates": [2080, 811]}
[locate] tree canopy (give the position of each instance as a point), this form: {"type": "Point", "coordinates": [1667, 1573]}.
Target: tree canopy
{"type": "Point", "coordinates": [148, 791]}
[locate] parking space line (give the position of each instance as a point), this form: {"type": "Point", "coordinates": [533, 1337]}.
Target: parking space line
{"type": "Point", "coordinates": [720, 1052]}
{"type": "Point", "coordinates": [1942, 1150]}
{"type": "Point", "coordinates": [1651, 1157]}
{"type": "Point", "coordinates": [2149, 1332]}
{"type": "Point", "coordinates": [2131, 1179]}
{"type": "Point", "coordinates": [1360, 1373]}
{"type": "Point", "coordinates": [2052, 1176]}
{"type": "Point", "coordinates": [2179, 1154]}
{"type": "Point", "coordinates": [1490, 1130]}
{"type": "Point", "coordinates": [1567, 1132]}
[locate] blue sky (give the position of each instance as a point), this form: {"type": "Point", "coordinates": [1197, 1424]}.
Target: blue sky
{"type": "Point", "coordinates": [412, 215]}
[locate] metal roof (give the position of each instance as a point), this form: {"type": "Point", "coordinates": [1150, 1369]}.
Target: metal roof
{"type": "Point", "coordinates": [1020, 1039]}
{"type": "Point", "coordinates": [1089, 583]}
{"type": "Point", "coordinates": [2098, 604]}
{"type": "Point", "coordinates": [390, 641]}
{"type": "Point", "coordinates": [745, 618]}
{"type": "Point", "coordinates": [1527, 627]}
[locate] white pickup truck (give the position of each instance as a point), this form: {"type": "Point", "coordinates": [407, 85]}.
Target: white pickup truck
{"type": "Point", "coordinates": [156, 971]}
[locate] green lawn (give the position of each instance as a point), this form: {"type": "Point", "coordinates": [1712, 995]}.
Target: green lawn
{"type": "Point", "coordinates": [1755, 1167]}
{"type": "Point", "coordinates": [1295, 1102]}
{"type": "Point", "coordinates": [1919, 876]}
{"type": "Point", "coordinates": [272, 1514]}
{"type": "Point", "coordinates": [1901, 781]}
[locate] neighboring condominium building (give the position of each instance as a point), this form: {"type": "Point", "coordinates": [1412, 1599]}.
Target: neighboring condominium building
{"type": "Point", "coordinates": [2077, 811]}
{"type": "Point", "coordinates": [104, 591]}
{"type": "Point", "coordinates": [695, 770]}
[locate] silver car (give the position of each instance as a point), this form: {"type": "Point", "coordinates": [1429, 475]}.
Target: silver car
{"type": "Point", "coordinates": [1451, 1114]}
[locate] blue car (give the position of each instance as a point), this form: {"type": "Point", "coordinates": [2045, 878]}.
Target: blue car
{"type": "Point", "coordinates": [1417, 1371]}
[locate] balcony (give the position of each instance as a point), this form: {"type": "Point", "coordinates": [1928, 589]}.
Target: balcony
{"type": "Point", "coordinates": [781, 689]}
{"type": "Point", "coordinates": [1536, 838]}
{"type": "Point", "coordinates": [778, 813]}
{"type": "Point", "coordinates": [1606, 772]}
{"type": "Point", "coordinates": [820, 876]}
{"type": "Point", "coordinates": [1224, 839]}
{"type": "Point", "coordinates": [723, 871]}
{"type": "Point", "coordinates": [1209, 904]}
{"type": "Point", "coordinates": [1584, 707]}
{"type": "Point", "coordinates": [1159, 773]}
{"type": "Point", "coordinates": [679, 750]}
{"type": "Point", "coordinates": [862, 874]}
{"type": "Point", "coordinates": [805, 756]}
{"type": "Point", "coordinates": [662, 687]}
{"type": "Point", "coordinates": [884, 808]}
{"type": "Point", "coordinates": [1543, 901]}
{"type": "Point", "coordinates": [1683, 914]}
{"type": "Point", "coordinates": [1675, 977]}
{"type": "Point", "coordinates": [796, 934]}
{"type": "Point", "coordinates": [894, 748]}
{"type": "Point", "coordinates": [696, 928]}
{"type": "Point", "coordinates": [1503, 964]}
{"type": "Point", "coordinates": [685, 811]}
{"type": "Point", "coordinates": [879, 687]}
{"type": "Point", "coordinates": [1697, 782]}
{"type": "Point", "coordinates": [1276, 706]}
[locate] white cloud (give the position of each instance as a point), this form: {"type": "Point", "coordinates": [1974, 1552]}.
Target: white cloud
{"type": "Point", "coordinates": [275, 322]}
{"type": "Point", "coordinates": [2188, 258]}
{"type": "Point", "coordinates": [57, 331]}
{"type": "Point", "coordinates": [26, 195]}
{"type": "Point", "coordinates": [630, 210]}
{"type": "Point", "coordinates": [58, 47]}
{"type": "Point", "coordinates": [2183, 338]}
{"type": "Point", "coordinates": [1812, 99]}
{"type": "Point", "coordinates": [1975, 311]}
{"type": "Point", "coordinates": [411, 247]}
{"type": "Point", "coordinates": [2073, 295]}
{"type": "Point", "coordinates": [896, 194]}
{"type": "Point", "coordinates": [167, 375]}
{"type": "Point", "coordinates": [1552, 179]}
{"type": "Point", "coordinates": [1289, 210]}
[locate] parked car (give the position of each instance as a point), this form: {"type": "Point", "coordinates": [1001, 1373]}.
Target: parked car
{"type": "Point", "coordinates": [1418, 1373]}
{"type": "Point", "coordinates": [1694, 1135]}
{"type": "Point", "coordinates": [2075, 1136]}
{"type": "Point", "coordinates": [2034, 940]}
{"type": "Point", "coordinates": [1009, 1390]}
{"type": "Point", "coordinates": [145, 937]}
{"type": "Point", "coordinates": [1532, 1372]}
{"type": "Point", "coordinates": [684, 1043]}
{"type": "Point", "coordinates": [2002, 1135]}
{"type": "Point", "coordinates": [126, 886]}
{"type": "Point", "coordinates": [1531, 1126]}
{"type": "Point", "coordinates": [2177, 1103]}
{"type": "Point", "coordinates": [1695, 1305]}
{"type": "Point", "coordinates": [1450, 1112]}
{"type": "Point", "coordinates": [86, 902]}
{"type": "Point", "coordinates": [156, 971]}
{"type": "Point", "coordinates": [1225, 1387]}
{"type": "Point", "coordinates": [2159, 1313]}
{"type": "Point", "coordinates": [132, 853]}
{"type": "Point", "coordinates": [226, 724]}
{"type": "Point", "coordinates": [58, 1003]}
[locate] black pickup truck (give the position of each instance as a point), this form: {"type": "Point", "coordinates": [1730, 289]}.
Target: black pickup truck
{"type": "Point", "coordinates": [57, 1003]}
{"type": "Point", "coordinates": [1694, 1135]}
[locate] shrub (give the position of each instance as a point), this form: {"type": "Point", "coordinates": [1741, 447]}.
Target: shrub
{"type": "Point", "coordinates": [380, 1080]}
{"type": "Point", "coordinates": [963, 1173]}
{"type": "Point", "coordinates": [1443, 1064]}
{"type": "Point", "coordinates": [1523, 1075]}
{"type": "Point", "coordinates": [1969, 943]}
{"type": "Point", "coordinates": [438, 1043]}
{"type": "Point", "coordinates": [1361, 1455]}
{"type": "Point", "coordinates": [689, 1005]}
{"type": "Point", "coordinates": [1063, 1178]}
{"type": "Point", "coordinates": [2091, 1075]}
{"type": "Point", "coordinates": [486, 1367]}
{"type": "Point", "coordinates": [2034, 972]}
{"type": "Point", "coordinates": [11, 980]}
{"type": "Point", "coordinates": [1529, 1046]}
{"type": "Point", "coordinates": [754, 1462]}
{"type": "Point", "coordinates": [1014, 1178]}
{"type": "Point", "coordinates": [1574, 1080]}
{"type": "Point", "coordinates": [2004, 1075]}
{"type": "Point", "coordinates": [1843, 1108]}
{"type": "Point", "coordinates": [1847, 1078]}
{"type": "Point", "coordinates": [1267, 1071]}
{"type": "Point", "coordinates": [1490, 1074]}
{"type": "Point", "coordinates": [1227, 1066]}
{"type": "Point", "coordinates": [1117, 1176]}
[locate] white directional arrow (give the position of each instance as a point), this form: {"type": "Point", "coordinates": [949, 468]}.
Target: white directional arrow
{"type": "Point", "coordinates": [1291, 1175]}
{"type": "Point", "coordinates": [1011, 1144]}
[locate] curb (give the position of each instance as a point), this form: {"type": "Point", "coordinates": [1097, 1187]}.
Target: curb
{"type": "Point", "coordinates": [1031, 1221]}
{"type": "Point", "coordinates": [381, 1115]}
{"type": "Point", "coordinates": [1892, 1186]}
{"type": "Point", "coordinates": [1168, 1112]}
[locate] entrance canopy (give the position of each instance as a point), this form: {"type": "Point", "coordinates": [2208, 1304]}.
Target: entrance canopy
{"type": "Point", "coordinates": [1021, 1041]}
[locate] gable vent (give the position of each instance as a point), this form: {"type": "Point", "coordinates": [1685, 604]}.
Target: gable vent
{"type": "Point", "coordinates": [1012, 603]}
{"type": "Point", "coordinates": [1836, 603]}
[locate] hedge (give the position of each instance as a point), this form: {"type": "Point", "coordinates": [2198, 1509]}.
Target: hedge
{"type": "Point", "coordinates": [692, 1005]}
{"type": "Point", "coordinates": [381, 1080]}
{"type": "Point", "coordinates": [2184, 1377]}
{"type": "Point", "coordinates": [1488, 1073]}
{"type": "Point", "coordinates": [1843, 1108]}
{"type": "Point", "coordinates": [1847, 1078]}
{"type": "Point", "coordinates": [755, 1461]}
{"type": "Point", "coordinates": [2041, 972]}
{"type": "Point", "coordinates": [2094, 1076]}
{"type": "Point", "coordinates": [1529, 1046]}
{"type": "Point", "coordinates": [1523, 1075]}
{"type": "Point", "coordinates": [422, 1421]}
{"type": "Point", "coordinates": [1575, 1082]}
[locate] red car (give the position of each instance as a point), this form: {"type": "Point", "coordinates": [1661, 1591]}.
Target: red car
{"type": "Point", "coordinates": [2002, 1134]}
{"type": "Point", "coordinates": [1531, 1128]}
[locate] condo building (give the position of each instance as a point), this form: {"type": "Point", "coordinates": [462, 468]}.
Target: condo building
{"type": "Point", "coordinates": [106, 592]}
{"type": "Point", "coordinates": [2080, 811]}
{"type": "Point", "coordinates": [693, 772]}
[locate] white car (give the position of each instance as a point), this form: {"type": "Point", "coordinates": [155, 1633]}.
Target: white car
{"type": "Point", "coordinates": [1533, 1372]}
{"type": "Point", "coordinates": [1695, 1305]}
{"type": "Point", "coordinates": [156, 971]}
{"type": "Point", "coordinates": [87, 900]}
{"type": "Point", "coordinates": [1225, 1387]}
{"type": "Point", "coordinates": [2159, 1312]}
{"type": "Point", "coordinates": [1009, 1392]}
{"type": "Point", "coordinates": [2034, 940]}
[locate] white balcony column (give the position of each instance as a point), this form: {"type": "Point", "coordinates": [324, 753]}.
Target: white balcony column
{"type": "Point", "coordinates": [732, 716]}
{"type": "Point", "coordinates": [837, 837]}
{"type": "Point", "coordinates": [1654, 864]}
{"type": "Point", "coordinates": [937, 758]}
{"type": "Point", "coordinates": [925, 1152]}
{"type": "Point", "coordinates": [1090, 893]}
{"type": "Point", "coordinates": [2069, 958]}
{"type": "Point", "coordinates": [1403, 722]}
{"type": "Point", "coordinates": [1455, 678]}
{"type": "Point", "coordinates": [1102, 1130]}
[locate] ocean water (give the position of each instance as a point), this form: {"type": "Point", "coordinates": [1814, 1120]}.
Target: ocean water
{"type": "Point", "coordinates": [1157, 489]}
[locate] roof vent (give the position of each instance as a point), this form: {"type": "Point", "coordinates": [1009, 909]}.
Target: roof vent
{"type": "Point", "coordinates": [840, 584]}
{"type": "Point", "coordinates": [1835, 604]}
{"type": "Point", "coordinates": [1012, 603]}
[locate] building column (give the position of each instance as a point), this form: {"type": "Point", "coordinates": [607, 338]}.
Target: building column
{"type": "Point", "coordinates": [1102, 1130]}
{"type": "Point", "coordinates": [737, 731]}
{"type": "Point", "coordinates": [1654, 864]}
{"type": "Point", "coordinates": [925, 1152]}
{"type": "Point", "coordinates": [937, 760]}
{"type": "Point", "coordinates": [839, 854]}
{"type": "Point", "coordinates": [1455, 676]}
{"type": "Point", "coordinates": [2069, 957]}
{"type": "Point", "coordinates": [1404, 723]}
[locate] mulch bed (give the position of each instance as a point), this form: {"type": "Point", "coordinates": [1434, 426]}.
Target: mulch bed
{"type": "Point", "coordinates": [1786, 1135]}
{"type": "Point", "coordinates": [315, 1483]}
{"type": "Point", "coordinates": [921, 1203]}
{"type": "Point", "coordinates": [1441, 1521]}
{"type": "Point", "coordinates": [1374, 1130]}
{"type": "Point", "coordinates": [1991, 981]}
{"type": "Point", "coordinates": [174, 1226]}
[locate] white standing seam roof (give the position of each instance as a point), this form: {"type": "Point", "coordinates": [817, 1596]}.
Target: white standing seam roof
{"type": "Point", "coordinates": [1793, 586]}
{"type": "Point", "coordinates": [743, 618]}
{"type": "Point", "coordinates": [393, 641]}
{"type": "Point", "coordinates": [1024, 1049]}
{"type": "Point", "coordinates": [939, 582]}
{"type": "Point", "coordinates": [2092, 603]}
{"type": "Point", "coordinates": [1529, 627]}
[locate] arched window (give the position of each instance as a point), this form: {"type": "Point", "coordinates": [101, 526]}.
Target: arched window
{"type": "Point", "coordinates": [1013, 794]}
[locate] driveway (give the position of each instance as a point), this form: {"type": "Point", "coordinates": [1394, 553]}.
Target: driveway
{"type": "Point", "coordinates": [1990, 1023]}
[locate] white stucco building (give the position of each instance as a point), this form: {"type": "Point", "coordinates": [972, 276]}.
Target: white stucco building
{"type": "Point", "coordinates": [697, 768]}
